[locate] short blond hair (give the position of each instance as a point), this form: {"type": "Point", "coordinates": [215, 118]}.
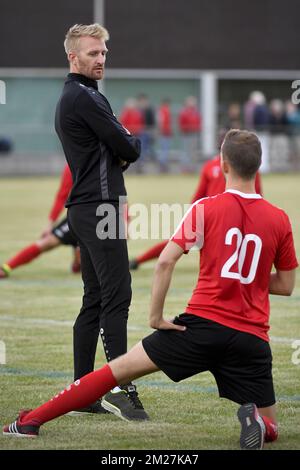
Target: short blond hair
{"type": "Point", "coordinates": [79, 30]}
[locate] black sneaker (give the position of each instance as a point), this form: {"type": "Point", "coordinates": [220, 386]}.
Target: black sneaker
{"type": "Point", "coordinates": [94, 408]}
{"type": "Point", "coordinates": [253, 430]}
{"type": "Point", "coordinates": [133, 265]}
{"type": "Point", "coordinates": [16, 429]}
{"type": "Point", "coordinates": [125, 404]}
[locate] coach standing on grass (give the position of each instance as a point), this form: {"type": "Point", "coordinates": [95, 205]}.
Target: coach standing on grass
{"type": "Point", "coordinates": [98, 149]}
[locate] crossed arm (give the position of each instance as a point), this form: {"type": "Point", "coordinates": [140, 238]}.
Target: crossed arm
{"type": "Point", "coordinates": [96, 112]}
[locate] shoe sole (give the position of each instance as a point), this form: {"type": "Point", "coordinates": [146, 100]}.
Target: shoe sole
{"type": "Point", "coordinates": [79, 413]}
{"type": "Point", "coordinates": [114, 410]}
{"type": "Point", "coordinates": [90, 413]}
{"type": "Point", "coordinates": [17, 434]}
{"type": "Point", "coordinates": [117, 412]}
{"type": "Point", "coordinates": [252, 435]}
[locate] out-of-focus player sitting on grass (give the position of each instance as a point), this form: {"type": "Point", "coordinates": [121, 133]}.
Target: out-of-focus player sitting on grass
{"type": "Point", "coordinates": [52, 236]}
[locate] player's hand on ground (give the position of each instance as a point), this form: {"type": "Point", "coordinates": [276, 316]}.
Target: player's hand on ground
{"type": "Point", "coordinates": [163, 324]}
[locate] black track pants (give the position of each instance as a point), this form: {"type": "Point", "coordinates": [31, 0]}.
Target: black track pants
{"type": "Point", "coordinates": [107, 289]}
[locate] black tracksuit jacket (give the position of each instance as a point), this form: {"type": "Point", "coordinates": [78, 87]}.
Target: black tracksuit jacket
{"type": "Point", "coordinates": [94, 142]}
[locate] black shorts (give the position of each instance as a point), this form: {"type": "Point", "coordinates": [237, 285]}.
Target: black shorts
{"type": "Point", "coordinates": [240, 362]}
{"type": "Point", "coordinates": [62, 232]}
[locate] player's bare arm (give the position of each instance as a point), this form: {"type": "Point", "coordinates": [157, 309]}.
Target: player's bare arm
{"type": "Point", "coordinates": [48, 229]}
{"type": "Point", "coordinates": [161, 282]}
{"type": "Point", "coordinates": [282, 282]}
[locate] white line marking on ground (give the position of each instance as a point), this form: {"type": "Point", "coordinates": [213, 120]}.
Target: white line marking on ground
{"type": "Point", "coordinates": [49, 322]}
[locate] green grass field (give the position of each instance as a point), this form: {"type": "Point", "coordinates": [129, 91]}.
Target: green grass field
{"type": "Point", "coordinates": [40, 301]}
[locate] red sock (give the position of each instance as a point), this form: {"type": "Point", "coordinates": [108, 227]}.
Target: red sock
{"type": "Point", "coordinates": [77, 395]}
{"type": "Point", "coordinates": [154, 252]}
{"type": "Point", "coordinates": [24, 256]}
{"type": "Point", "coordinates": [271, 429]}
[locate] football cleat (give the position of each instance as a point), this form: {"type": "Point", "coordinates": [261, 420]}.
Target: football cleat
{"type": "Point", "coordinates": [124, 402]}
{"type": "Point", "coordinates": [17, 429]}
{"type": "Point", "coordinates": [252, 427]}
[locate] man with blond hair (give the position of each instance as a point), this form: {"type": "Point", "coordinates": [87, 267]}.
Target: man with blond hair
{"type": "Point", "coordinates": [98, 149]}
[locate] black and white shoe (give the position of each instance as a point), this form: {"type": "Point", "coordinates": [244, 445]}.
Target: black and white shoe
{"type": "Point", "coordinates": [16, 429]}
{"type": "Point", "coordinates": [124, 402]}
{"type": "Point", "coordinates": [252, 427]}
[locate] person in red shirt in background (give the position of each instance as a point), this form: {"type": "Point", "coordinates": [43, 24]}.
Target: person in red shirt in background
{"type": "Point", "coordinates": [224, 329]}
{"type": "Point", "coordinates": [52, 236]}
{"type": "Point", "coordinates": [131, 117]}
{"type": "Point", "coordinates": [165, 133]}
{"type": "Point", "coordinates": [190, 124]}
{"type": "Point", "coordinates": [211, 182]}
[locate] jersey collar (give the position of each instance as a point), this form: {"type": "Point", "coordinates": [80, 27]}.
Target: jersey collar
{"type": "Point", "coordinates": [244, 195]}
{"type": "Point", "coordinates": [82, 79]}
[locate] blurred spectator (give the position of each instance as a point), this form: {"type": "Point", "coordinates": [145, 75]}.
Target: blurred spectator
{"type": "Point", "coordinates": [165, 133]}
{"type": "Point", "coordinates": [292, 113]}
{"type": "Point", "coordinates": [6, 146]}
{"type": "Point", "coordinates": [234, 116]}
{"type": "Point", "coordinates": [256, 114]}
{"type": "Point", "coordinates": [293, 126]}
{"type": "Point", "coordinates": [147, 134]}
{"type": "Point", "coordinates": [261, 122]}
{"type": "Point", "coordinates": [132, 118]}
{"type": "Point", "coordinates": [279, 143]}
{"type": "Point", "coordinates": [278, 120]}
{"type": "Point", "coordinates": [261, 115]}
{"type": "Point", "coordinates": [249, 108]}
{"type": "Point", "coordinates": [190, 123]}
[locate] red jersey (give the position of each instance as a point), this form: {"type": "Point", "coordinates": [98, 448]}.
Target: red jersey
{"type": "Point", "coordinates": [62, 194]}
{"type": "Point", "coordinates": [243, 237]}
{"type": "Point", "coordinates": [212, 180]}
{"type": "Point", "coordinates": [189, 120]}
{"type": "Point", "coordinates": [132, 119]}
{"type": "Point", "coordinates": [165, 120]}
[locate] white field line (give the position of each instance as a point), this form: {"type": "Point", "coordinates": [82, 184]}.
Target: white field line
{"type": "Point", "coordinates": [68, 323]}
{"type": "Point", "coordinates": [49, 322]}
